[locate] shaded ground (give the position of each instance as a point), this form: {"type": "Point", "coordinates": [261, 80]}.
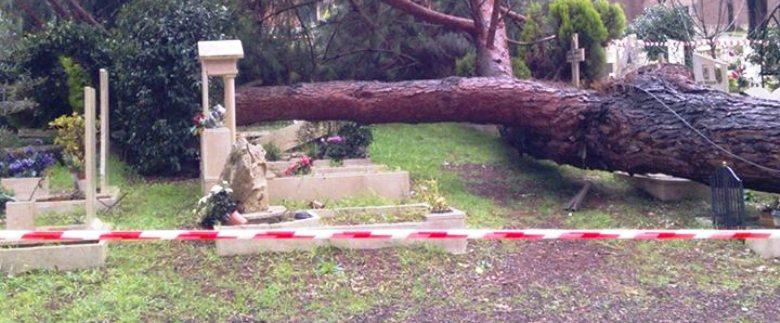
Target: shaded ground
{"type": "Point", "coordinates": [513, 281]}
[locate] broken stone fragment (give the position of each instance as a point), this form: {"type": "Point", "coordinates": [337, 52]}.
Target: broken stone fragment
{"type": "Point", "coordinates": [245, 171]}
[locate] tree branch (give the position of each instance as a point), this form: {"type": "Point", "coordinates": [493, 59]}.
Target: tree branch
{"type": "Point", "coordinates": [527, 43]}
{"type": "Point", "coordinates": [58, 9]}
{"type": "Point", "coordinates": [513, 15]}
{"type": "Point", "coordinates": [293, 7]}
{"type": "Point", "coordinates": [30, 13]}
{"type": "Point", "coordinates": [356, 8]}
{"type": "Point", "coordinates": [433, 16]}
{"type": "Point", "coordinates": [494, 21]}
{"type": "Point", "coordinates": [83, 14]}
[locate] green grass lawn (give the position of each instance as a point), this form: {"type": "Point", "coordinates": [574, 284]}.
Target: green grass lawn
{"type": "Point", "coordinates": [478, 173]}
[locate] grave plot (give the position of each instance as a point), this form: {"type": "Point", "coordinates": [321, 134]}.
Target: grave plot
{"type": "Point", "coordinates": [107, 196]}
{"type": "Point", "coordinates": [31, 255]}
{"type": "Point", "coordinates": [410, 216]}
{"type": "Point", "coordinates": [287, 180]}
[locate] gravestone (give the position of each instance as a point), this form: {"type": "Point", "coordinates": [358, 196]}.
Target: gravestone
{"type": "Point", "coordinates": [629, 56]}
{"type": "Point", "coordinates": [710, 72]}
{"type": "Point", "coordinates": [762, 93]}
{"type": "Point", "coordinates": [728, 201]}
{"type": "Point", "coordinates": [676, 52]}
{"type": "Point", "coordinates": [575, 56]}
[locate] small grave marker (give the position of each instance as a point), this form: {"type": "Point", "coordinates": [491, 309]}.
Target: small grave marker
{"type": "Point", "coordinates": [710, 72]}
{"type": "Point", "coordinates": [728, 202]}
{"type": "Point", "coordinates": [575, 56]}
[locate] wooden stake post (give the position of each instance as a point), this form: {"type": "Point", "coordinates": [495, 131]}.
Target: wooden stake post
{"type": "Point", "coordinates": [89, 153]}
{"type": "Point", "coordinates": [575, 56]}
{"type": "Point", "coordinates": [104, 131]}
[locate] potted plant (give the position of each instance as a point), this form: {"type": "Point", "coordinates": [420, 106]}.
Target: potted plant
{"type": "Point", "coordinates": [23, 171]}
{"type": "Point", "coordinates": [218, 207]}
{"type": "Point", "coordinates": [428, 191]}
{"type": "Point", "coordinates": [70, 136]}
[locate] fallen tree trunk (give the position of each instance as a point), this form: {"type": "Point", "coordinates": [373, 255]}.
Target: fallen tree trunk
{"type": "Point", "coordinates": [619, 127]}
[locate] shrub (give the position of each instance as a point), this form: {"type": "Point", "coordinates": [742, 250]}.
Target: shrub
{"type": "Point", "coordinates": [77, 79]}
{"type": "Point", "coordinates": [39, 55]}
{"type": "Point", "coordinates": [5, 196]}
{"type": "Point", "coordinates": [351, 141]}
{"type": "Point", "coordinates": [428, 192]}
{"type": "Point", "coordinates": [568, 17]}
{"type": "Point", "coordinates": [158, 78]}
{"type": "Point", "coordinates": [272, 152]}
{"type": "Point", "coordinates": [661, 23]}
{"type": "Point", "coordinates": [70, 136]}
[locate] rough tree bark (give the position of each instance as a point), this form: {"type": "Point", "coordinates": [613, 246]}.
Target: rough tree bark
{"type": "Point", "coordinates": [616, 128]}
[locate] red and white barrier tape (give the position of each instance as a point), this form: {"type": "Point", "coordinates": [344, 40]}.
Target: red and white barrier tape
{"type": "Point", "coordinates": [701, 42]}
{"type": "Point", "coordinates": [389, 234]}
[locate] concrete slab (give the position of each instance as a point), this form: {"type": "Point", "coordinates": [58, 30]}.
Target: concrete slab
{"type": "Point", "coordinates": [19, 258]}
{"type": "Point", "coordinates": [451, 220]}
{"type": "Point", "coordinates": [393, 185]}
{"type": "Point", "coordinates": [667, 188]}
{"type": "Point", "coordinates": [24, 187]}
{"type": "Point", "coordinates": [766, 248]}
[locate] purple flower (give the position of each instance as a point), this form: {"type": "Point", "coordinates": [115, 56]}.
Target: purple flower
{"type": "Point", "coordinates": [335, 140]}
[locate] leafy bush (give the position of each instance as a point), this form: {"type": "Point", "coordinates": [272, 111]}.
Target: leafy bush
{"type": "Point", "coordinates": [158, 78]}
{"type": "Point", "coordinates": [27, 163]}
{"type": "Point", "coordinates": [38, 54]}
{"type": "Point", "coordinates": [77, 79]}
{"type": "Point", "coordinates": [5, 196]}
{"type": "Point", "coordinates": [568, 17]}
{"type": "Point", "coordinates": [661, 23]}
{"type": "Point", "coordinates": [768, 56]}
{"type": "Point", "coordinates": [428, 192]}
{"type": "Point", "coordinates": [70, 136]}
{"type": "Point", "coordinates": [351, 141]}
{"type": "Point", "coordinates": [272, 152]}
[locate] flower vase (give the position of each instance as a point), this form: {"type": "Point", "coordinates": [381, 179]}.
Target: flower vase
{"type": "Point", "coordinates": [236, 218]}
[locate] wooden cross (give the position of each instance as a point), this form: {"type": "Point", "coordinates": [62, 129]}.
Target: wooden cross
{"type": "Point", "coordinates": [575, 56]}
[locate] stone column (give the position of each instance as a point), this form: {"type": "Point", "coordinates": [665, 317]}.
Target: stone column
{"type": "Point", "coordinates": [89, 152]}
{"type": "Point", "coordinates": [230, 104]}
{"type": "Point", "coordinates": [205, 91]}
{"type": "Point", "coordinates": [104, 117]}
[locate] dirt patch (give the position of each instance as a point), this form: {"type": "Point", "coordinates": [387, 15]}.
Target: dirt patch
{"type": "Point", "coordinates": [496, 182]}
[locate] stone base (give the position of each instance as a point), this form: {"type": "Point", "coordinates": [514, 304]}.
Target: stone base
{"type": "Point", "coordinates": [24, 187]}
{"type": "Point", "coordinates": [667, 188]}
{"type": "Point", "coordinates": [392, 185]}
{"type": "Point", "coordinates": [23, 257]}
{"type": "Point", "coordinates": [452, 220]}
{"type": "Point", "coordinates": [766, 248]}
{"type": "Point", "coordinates": [215, 145]}
{"type": "Point", "coordinates": [21, 215]}
{"type": "Point", "coordinates": [105, 200]}
{"type": "Point", "coordinates": [273, 212]}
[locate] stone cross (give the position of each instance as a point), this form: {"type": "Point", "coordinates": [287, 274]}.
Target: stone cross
{"type": "Point", "coordinates": [104, 131]}
{"type": "Point", "coordinates": [575, 56]}
{"type": "Point", "coordinates": [89, 153]}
